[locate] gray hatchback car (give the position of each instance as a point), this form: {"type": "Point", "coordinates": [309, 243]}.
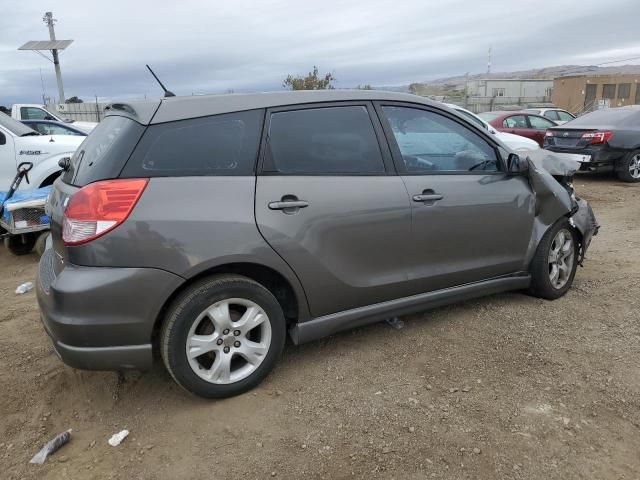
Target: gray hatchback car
{"type": "Point", "coordinates": [202, 230]}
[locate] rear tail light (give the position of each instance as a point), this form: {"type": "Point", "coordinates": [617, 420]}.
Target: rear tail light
{"type": "Point", "coordinates": [597, 137]}
{"type": "Point", "coordinates": [99, 208]}
{"type": "Point", "coordinates": [548, 133]}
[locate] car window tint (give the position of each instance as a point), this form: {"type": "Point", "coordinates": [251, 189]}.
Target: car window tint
{"type": "Point", "coordinates": [329, 140]}
{"type": "Point", "coordinates": [224, 144]}
{"type": "Point", "coordinates": [540, 123]}
{"type": "Point", "coordinates": [551, 115]}
{"type": "Point", "coordinates": [430, 142]}
{"type": "Point", "coordinates": [564, 116]}
{"type": "Point", "coordinates": [515, 121]}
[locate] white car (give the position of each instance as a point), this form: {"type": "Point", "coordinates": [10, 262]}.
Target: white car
{"type": "Point", "coordinates": [19, 143]}
{"type": "Point", "coordinates": [28, 111]}
{"type": "Point", "coordinates": [556, 115]}
{"type": "Point", "coordinates": [516, 143]}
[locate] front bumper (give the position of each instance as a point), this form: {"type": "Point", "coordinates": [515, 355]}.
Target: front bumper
{"type": "Point", "coordinates": [102, 318]}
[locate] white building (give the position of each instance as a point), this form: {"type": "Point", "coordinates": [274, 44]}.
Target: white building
{"type": "Point", "coordinates": [510, 88]}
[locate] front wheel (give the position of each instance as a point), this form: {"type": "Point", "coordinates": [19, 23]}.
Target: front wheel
{"type": "Point", "coordinates": [629, 168]}
{"type": "Point", "coordinates": [222, 336]}
{"type": "Point", "coordinates": [554, 264]}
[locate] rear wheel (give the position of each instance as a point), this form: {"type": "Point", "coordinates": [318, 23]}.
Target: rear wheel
{"type": "Point", "coordinates": [222, 336]}
{"type": "Point", "coordinates": [554, 265]}
{"type": "Point", "coordinates": [20, 244]}
{"type": "Point", "coordinates": [629, 168]}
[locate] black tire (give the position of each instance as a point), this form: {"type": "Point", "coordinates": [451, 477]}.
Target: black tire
{"type": "Point", "coordinates": [41, 243]}
{"type": "Point", "coordinates": [624, 169]}
{"type": "Point", "coordinates": [20, 244]}
{"type": "Point", "coordinates": [182, 315]}
{"type": "Point", "coordinates": [540, 269]}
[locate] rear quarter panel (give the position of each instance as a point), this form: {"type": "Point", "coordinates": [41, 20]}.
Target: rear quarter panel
{"type": "Point", "coordinates": [187, 225]}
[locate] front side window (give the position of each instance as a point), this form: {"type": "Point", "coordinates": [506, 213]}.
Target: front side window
{"type": "Point", "coordinates": [323, 141]}
{"type": "Point", "coordinates": [540, 123]}
{"type": "Point", "coordinates": [515, 121]}
{"type": "Point", "coordinates": [431, 143]}
{"type": "Point", "coordinates": [224, 144]}
{"type": "Point", "coordinates": [33, 113]}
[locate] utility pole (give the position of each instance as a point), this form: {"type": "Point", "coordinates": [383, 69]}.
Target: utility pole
{"type": "Point", "coordinates": [49, 20]}
{"type": "Point", "coordinates": [489, 61]}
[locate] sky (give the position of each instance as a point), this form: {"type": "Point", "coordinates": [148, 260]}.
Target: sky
{"type": "Point", "coordinates": [215, 46]}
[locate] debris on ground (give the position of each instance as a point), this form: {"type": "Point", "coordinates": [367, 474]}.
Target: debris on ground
{"type": "Point", "coordinates": [24, 288]}
{"type": "Point", "coordinates": [395, 322]}
{"type": "Point", "coordinates": [51, 447]}
{"type": "Point", "coordinates": [117, 438]}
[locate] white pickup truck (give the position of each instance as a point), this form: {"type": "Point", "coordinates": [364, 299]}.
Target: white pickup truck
{"type": "Point", "coordinates": [29, 111]}
{"type": "Point", "coordinates": [19, 143]}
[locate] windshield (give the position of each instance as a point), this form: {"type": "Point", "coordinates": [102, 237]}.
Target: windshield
{"type": "Point", "coordinates": [473, 118]}
{"type": "Point", "coordinates": [15, 127]}
{"type": "Point", "coordinates": [488, 116]}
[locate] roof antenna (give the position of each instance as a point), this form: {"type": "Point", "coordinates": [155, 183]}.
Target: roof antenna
{"type": "Point", "coordinates": [167, 93]}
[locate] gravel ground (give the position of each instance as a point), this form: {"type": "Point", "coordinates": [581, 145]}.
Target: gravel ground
{"type": "Point", "coordinates": [506, 387]}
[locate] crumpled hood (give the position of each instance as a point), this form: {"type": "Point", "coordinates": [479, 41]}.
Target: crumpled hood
{"type": "Point", "coordinates": [550, 176]}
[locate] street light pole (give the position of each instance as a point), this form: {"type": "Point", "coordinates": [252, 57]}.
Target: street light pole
{"type": "Point", "coordinates": [49, 20]}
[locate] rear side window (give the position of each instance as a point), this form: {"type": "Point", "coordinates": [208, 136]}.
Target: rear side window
{"type": "Point", "coordinates": [323, 141]}
{"type": "Point", "coordinates": [104, 152]}
{"type": "Point", "coordinates": [551, 115]}
{"type": "Point", "coordinates": [224, 144]}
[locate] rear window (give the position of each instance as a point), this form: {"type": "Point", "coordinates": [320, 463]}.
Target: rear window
{"type": "Point", "coordinates": [104, 152]}
{"type": "Point", "coordinates": [609, 117]}
{"type": "Point", "coordinates": [224, 144]}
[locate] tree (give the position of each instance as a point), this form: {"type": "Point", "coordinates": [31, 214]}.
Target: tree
{"type": "Point", "coordinates": [73, 99]}
{"type": "Point", "coordinates": [311, 82]}
{"type": "Point", "coordinates": [364, 87]}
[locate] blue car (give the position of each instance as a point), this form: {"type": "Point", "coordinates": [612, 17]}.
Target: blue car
{"type": "Point", "coordinates": [50, 127]}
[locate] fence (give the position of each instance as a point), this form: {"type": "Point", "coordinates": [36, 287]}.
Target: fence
{"type": "Point", "coordinates": [487, 104]}
{"type": "Point", "coordinates": [88, 112]}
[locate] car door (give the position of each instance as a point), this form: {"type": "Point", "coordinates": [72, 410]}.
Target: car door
{"type": "Point", "coordinates": [329, 202]}
{"type": "Point", "coordinates": [470, 220]}
{"type": "Point", "coordinates": [7, 159]}
{"type": "Point", "coordinates": [539, 126]}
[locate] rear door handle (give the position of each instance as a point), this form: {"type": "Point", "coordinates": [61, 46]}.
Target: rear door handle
{"type": "Point", "coordinates": [288, 204]}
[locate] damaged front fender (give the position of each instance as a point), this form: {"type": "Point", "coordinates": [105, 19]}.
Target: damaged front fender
{"type": "Point", "coordinates": [550, 176]}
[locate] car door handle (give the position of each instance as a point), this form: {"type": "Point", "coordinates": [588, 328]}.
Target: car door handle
{"type": "Point", "coordinates": [288, 204]}
{"type": "Point", "coordinates": [427, 197]}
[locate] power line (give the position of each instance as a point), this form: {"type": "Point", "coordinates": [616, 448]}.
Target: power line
{"type": "Point", "coordinates": [617, 61]}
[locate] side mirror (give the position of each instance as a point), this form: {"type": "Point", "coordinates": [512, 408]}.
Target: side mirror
{"type": "Point", "coordinates": [65, 163]}
{"type": "Point", "coordinates": [3, 139]}
{"type": "Point", "coordinates": [516, 165]}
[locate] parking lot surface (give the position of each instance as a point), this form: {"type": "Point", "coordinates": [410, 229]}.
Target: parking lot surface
{"type": "Point", "coordinates": [503, 387]}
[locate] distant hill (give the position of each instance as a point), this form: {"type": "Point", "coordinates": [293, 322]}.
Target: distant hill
{"type": "Point", "coordinates": [457, 82]}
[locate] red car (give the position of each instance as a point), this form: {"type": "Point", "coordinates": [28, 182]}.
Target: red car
{"type": "Point", "coordinates": [519, 123]}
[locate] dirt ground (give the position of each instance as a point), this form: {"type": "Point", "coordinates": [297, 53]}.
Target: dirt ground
{"type": "Point", "coordinates": [506, 387]}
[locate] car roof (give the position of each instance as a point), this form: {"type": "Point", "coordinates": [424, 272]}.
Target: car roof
{"type": "Point", "coordinates": [182, 108]}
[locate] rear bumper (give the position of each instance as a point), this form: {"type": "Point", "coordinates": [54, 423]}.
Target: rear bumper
{"type": "Point", "coordinates": [600, 159]}
{"type": "Point", "coordinates": [102, 318]}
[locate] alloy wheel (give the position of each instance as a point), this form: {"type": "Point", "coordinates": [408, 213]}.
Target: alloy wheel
{"type": "Point", "coordinates": [228, 341]}
{"type": "Point", "coordinates": [561, 258]}
{"type": "Point", "coordinates": [634, 166]}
